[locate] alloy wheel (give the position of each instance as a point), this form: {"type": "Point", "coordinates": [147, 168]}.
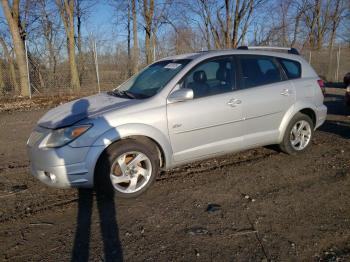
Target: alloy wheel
{"type": "Point", "coordinates": [131, 172]}
{"type": "Point", "coordinates": [300, 135]}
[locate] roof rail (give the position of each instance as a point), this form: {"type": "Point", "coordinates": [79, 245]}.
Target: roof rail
{"type": "Point", "coordinates": [291, 50]}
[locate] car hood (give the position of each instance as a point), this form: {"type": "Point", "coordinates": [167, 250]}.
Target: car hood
{"type": "Point", "coordinates": [74, 111]}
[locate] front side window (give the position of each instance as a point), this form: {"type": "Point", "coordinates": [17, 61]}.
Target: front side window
{"type": "Point", "coordinates": [211, 77]}
{"type": "Point", "coordinates": [292, 68]}
{"type": "Point", "coordinates": [259, 70]}
{"type": "Point", "coordinates": [152, 79]}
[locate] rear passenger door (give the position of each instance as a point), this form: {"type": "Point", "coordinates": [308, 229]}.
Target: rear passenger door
{"type": "Point", "coordinates": [266, 97]}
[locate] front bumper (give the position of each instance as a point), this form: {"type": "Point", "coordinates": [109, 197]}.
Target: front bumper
{"type": "Point", "coordinates": [66, 176]}
{"type": "Point", "coordinates": [62, 167]}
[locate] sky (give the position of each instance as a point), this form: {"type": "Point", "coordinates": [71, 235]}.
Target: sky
{"type": "Point", "coordinates": [101, 20]}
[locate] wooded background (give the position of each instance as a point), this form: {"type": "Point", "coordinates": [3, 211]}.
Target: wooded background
{"type": "Point", "coordinates": [56, 47]}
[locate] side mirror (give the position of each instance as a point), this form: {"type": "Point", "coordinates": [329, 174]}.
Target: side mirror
{"type": "Point", "coordinates": [180, 95]}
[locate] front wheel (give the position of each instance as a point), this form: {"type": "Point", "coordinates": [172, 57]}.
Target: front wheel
{"type": "Point", "coordinates": [298, 134]}
{"type": "Point", "coordinates": [127, 168]}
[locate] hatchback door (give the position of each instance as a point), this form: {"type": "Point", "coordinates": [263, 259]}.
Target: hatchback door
{"type": "Point", "coordinates": [211, 123]}
{"type": "Point", "coordinates": [266, 97]}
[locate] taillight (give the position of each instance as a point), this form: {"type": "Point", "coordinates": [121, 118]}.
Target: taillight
{"type": "Point", "coordinates": [322, 86]}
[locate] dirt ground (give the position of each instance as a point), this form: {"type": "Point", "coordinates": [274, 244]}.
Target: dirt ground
{"type": "Point", "coordinates": [258, 205]}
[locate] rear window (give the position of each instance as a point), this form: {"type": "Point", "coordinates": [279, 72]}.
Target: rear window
{"type": "Point", "coordinates": [292, 68]}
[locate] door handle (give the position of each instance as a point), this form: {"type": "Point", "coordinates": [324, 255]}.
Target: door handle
{"type": "Point", "coordinates": [285, 92]}
{"type": "Point", "coordinates": [234, 102]}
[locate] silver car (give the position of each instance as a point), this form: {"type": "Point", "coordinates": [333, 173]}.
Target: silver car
{"type": "Point", "coordinates": [178, 110]}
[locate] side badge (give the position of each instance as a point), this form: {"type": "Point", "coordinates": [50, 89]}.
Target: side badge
{"type": "Point", "coordinates": [177, 125]}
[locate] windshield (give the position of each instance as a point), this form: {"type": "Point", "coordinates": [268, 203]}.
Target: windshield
{"type": "Point", "coordinates": [152, 79]}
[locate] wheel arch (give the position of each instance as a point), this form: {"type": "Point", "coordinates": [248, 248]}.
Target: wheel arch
{"type": "Point", "coordinates": [140, 132]}
{"type": "Point", "coordinates": [310, 113]}
{"type": "Point", "coordinates": [305, 108]}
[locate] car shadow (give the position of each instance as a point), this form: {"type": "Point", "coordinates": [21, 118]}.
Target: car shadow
{"type": "Point", "coordinates": [339, 128]}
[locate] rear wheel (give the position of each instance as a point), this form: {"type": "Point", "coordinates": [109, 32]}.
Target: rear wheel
{"type": "Point", "coordinates": [127, 168]}
{"type": "Point", "coordinates": [298, 134]}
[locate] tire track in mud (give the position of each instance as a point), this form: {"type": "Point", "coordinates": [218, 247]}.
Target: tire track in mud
{"type": "Point", "coordinates": [252, 156]}
{"type": "Point", "coordinates": [26, 214]}
{"type": "Point", "coordinates": [14, 166]}
{"type": "Point", "coordinates": [196, 168]}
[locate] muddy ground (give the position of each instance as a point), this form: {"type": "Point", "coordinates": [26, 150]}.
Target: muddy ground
{"type": "Point", "coordinates": [258, 205]}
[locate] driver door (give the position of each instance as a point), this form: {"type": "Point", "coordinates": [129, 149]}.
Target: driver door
{"type": "Point", "coordinates": [211, 123]}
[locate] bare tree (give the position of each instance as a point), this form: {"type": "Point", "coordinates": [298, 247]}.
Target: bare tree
{"type": "Point", "coordinates": [317, 21]}
{"type": "Point", "coordinates": [227, 22]}
{"type": "Point", "coordinates": [66, 9]}
{"type": "Point", "coordinates": [13, 18]}
{"type": "Point", "coordinates": [336, 16]}
{"type": "Point", "coordinates": [81, 11]}
{"type": "Point", "coordinates": [49, 31]}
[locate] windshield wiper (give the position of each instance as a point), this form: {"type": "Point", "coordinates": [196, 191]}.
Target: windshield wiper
{"type": "Point", "coordinates": [129, 94]}
{"type": "Point", "coordinates": [119, 93]}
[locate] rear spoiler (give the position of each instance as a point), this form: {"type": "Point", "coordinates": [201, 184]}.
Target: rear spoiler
{"type": "Point", "coordinates": [290, 50]}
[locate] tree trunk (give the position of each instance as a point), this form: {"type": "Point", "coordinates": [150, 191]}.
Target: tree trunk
{"type": "Point", "coordinates": [235, 25]}
{"type": "Point", "coordinates": [81, 64]}
{"type": "Point", "coordinates": [148, 46]}
{"type": "Point", "coordinates": [154, 44]}
{"type": "Point", "coordinates": [228, 24]}
{"type": "Point", "coordinates": [2, 84]}
{"type": "Point", "coordinates": [73, 66]}
{"type": "Point", "coordinates": [335, 22]}
{"type": "Point", "coordinates": [318, 24]}
{"type": "Point", "coordinates": [129, 42]}
{"type": "Point", "coordinates": [67, 15]}
{"type": "Point", "coordinates": [296, 29]}
{"type": "Point", "coordinates": [12, 17]}
{"type": "Point", "coordinates": [148, 12]}
{"type": "Point", "coordinates": [135, 55]}
{"type": "Point", "coordinates": [207, 35]}
{"type": "Point", "coordinates": [79, 27]}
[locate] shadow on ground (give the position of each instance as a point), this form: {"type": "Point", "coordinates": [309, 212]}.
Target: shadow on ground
{"type": "Point", "coordinates": [108, 225]}
{"type": "Point", "coordinates": [337, 107]}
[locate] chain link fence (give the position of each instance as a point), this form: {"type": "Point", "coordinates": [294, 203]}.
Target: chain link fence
{"type": "Point", "coordinates": [331, 65]}
{"type": "Point", "coordinates": [103, 65]}
{"type": "Point", "coordinates": [99, 69]}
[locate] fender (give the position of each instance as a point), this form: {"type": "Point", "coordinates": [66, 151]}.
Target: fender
{"type": "Point", "coordinates": [291, 112]}
{"type": "Point", "coordinates": [127, 130]}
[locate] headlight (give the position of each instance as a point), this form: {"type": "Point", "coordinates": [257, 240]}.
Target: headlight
{"type": "Point", "coordinates": [63, 136]}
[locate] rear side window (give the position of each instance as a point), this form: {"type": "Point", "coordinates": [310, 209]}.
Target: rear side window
{"type": "Point", "coordinates": [259, 70]}
{"type": "Point", "coordinates": [292, 68]}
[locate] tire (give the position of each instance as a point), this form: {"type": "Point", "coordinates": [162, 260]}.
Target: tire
{"type": "Point", "coordinates": [292, 137]}
{"type": "Point", "coordinates": [137, 177]}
